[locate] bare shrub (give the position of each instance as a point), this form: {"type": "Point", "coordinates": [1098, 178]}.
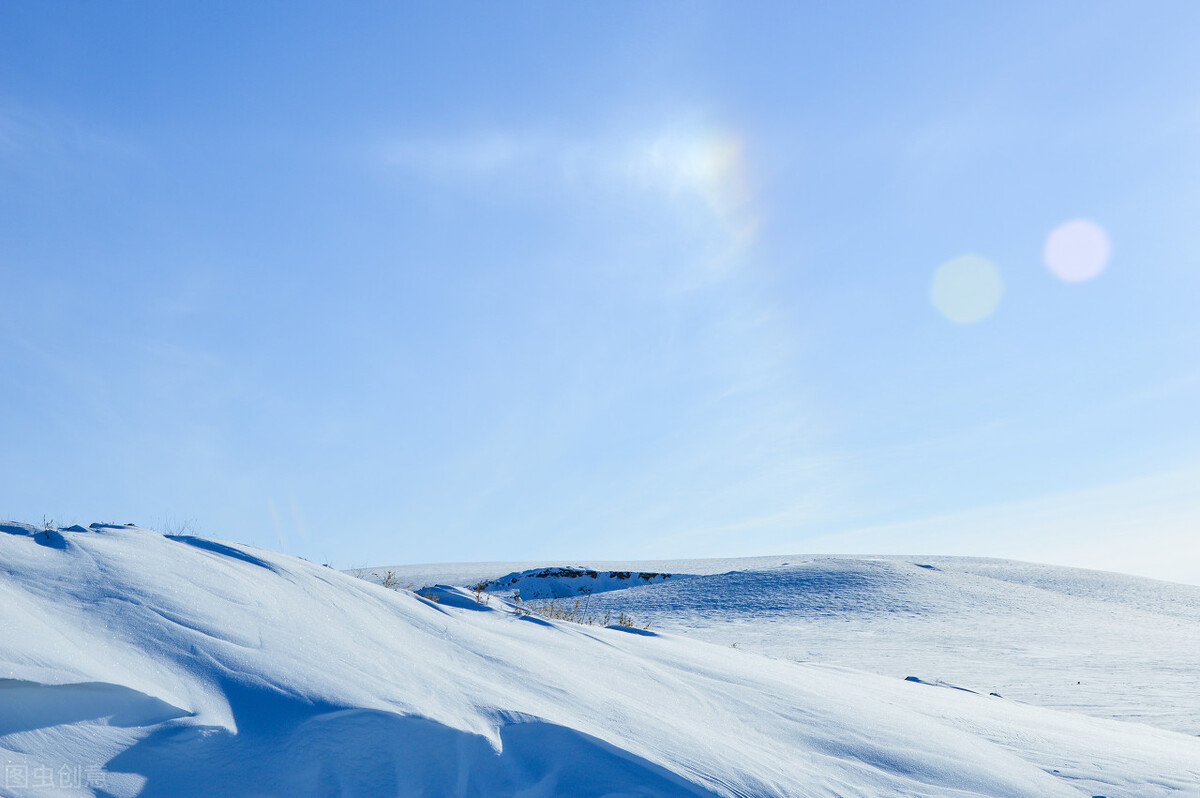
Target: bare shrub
{"type": "Point", "coordinates": [574, 612]}
{"type": "Point", "coordinates": [480, 596]}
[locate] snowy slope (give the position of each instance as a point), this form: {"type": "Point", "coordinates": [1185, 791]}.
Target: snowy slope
{"type": "Point", "coordinates": [180, 666]}
{"type": "Point", "coordinates": [1105, 644]}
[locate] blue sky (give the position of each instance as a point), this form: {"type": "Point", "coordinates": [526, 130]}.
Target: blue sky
{"type": "Point", "coordinates": [443, 282]}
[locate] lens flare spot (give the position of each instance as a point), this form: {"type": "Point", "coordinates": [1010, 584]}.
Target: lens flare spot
{"type": "Point", "coordinates": [967, 289]}
{"type": "Point", "coordinates": [1077, 250]}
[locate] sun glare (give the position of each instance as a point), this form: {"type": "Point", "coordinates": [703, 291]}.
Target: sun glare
{"type": "Point", "coordinates": [711, 167]}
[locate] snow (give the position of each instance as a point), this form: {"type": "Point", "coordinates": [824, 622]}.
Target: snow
{"type": "Point", "coordinates": [1105, 644]}
{"type": "Point", "coordinates": [142, 664]}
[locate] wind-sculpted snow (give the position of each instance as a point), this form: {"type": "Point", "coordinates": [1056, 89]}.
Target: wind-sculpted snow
{"type": "Point", "coordinates": [133, 663]}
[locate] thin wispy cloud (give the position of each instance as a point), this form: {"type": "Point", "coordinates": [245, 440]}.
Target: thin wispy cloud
{"type": "Point", "coordinates": [34, 138]}
{"type": "Point", "coordinates": [697, 176]}
{"type": "Point", "coordinates": [474, 157]}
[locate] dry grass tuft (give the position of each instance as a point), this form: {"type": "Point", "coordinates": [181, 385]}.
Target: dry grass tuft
{"type": "Point", "coordinates": [576, 612]}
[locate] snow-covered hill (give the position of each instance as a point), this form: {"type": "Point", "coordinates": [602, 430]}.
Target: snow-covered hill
{"type": "Point", "coordinates": [1105, 644]}
{"type": "Point", "coordinates": [143, 664]}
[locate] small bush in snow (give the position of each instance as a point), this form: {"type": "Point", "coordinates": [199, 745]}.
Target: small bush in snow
{"type": "Point", "coordinates": [576, 612]}
{"type": "Point", "coordinates": [480, 596]}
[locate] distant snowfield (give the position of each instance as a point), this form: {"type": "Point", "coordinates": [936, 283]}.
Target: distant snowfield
{"type": "Point", "coordinates": [1104, 644]}
{"type": "Point", "coordinates": [138, 664]}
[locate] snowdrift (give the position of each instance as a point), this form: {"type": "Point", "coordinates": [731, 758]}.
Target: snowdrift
{"type": "Point", "coordinates": [140, 664]}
